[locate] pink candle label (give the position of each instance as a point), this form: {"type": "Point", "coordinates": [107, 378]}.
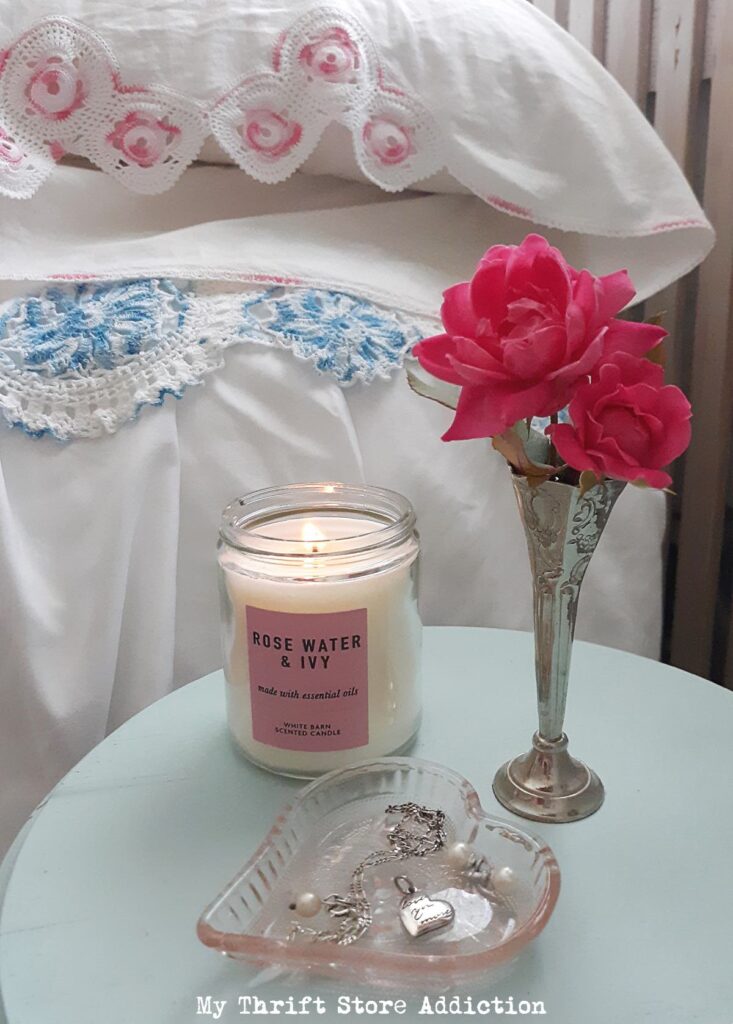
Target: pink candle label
{"type": "Point", "coordinates": [308, 679]}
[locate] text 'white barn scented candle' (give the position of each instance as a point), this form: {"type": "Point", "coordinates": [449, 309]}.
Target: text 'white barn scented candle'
{"type": "Point", "coordinates": [321, 630]}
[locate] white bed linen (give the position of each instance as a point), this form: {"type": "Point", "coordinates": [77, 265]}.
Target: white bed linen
{"type": "Point", "coordinates": [407, 246]}
{"type": "Point", "coordinates": [107, 546]}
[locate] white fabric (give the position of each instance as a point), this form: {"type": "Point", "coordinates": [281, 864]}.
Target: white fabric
{"type": "Point", "coordinates": [107, 546]}
{"type": "Point", "coordinates": [404, 248]}
{"type": "Point", "coordinates": [512, 105]}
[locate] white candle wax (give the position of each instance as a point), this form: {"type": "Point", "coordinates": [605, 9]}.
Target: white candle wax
{"type": "Point", "coordinates": [321, 651]}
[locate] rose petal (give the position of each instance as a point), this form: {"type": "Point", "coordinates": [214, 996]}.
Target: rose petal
{"type": "Point", "coordinates": [476, 416]}
{"type": "Point", "coordinates": [433, 355]}
{"type": "Point", "coordinates": [472, 361]}
{"type": "Point", "coordinates": [632, 370]}
{"type": "Point", "coordinates": [534, 357]}
{"type": "Point", "coordinates": [614, 293]}
{"type": "Point", "coordinates": [627, 336]}
{"type": "Point", "coordinates": [550, 274]}
{"type": "Point", "coordinates": [570, 449]}
{"type": "Point", "coordinates": [486, 411]}
{"type": "Point", "coordinates": [457, 312]}
{"type": "Point", "coordinates": [586, 363]}
{"type": "Point", "coordinates": [674, 412]}
{"type": "Point", "coordinates": [488, 293]}
{"type": "Point", "coordinates": [613, 461]}
{"type": "Point", "coordinates": [627, 429]}
{"type": "Point", "coordinates": [652, 477]}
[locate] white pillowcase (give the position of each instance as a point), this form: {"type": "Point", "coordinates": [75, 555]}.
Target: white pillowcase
{"type": "Point", "coordinates": [515, 109]}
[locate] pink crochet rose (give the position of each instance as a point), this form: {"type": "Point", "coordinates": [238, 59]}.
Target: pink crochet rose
{"type": "Point", "coordinates": [11, 155]}
{"type": "Point", "coordinates": [625, 423]}
{"type": "Point", "coordinates": [524, 333]}
{"type": "Point", "coordinates": [333, 57]}
{"type": "Point", "coordinates": [142, 138]}
{"type": "Point", "coordinates": [270, 134]}
{"type": "Point", "coordinates": [388, 142]}
{"type": "Point", "coordinates": [55, 89]}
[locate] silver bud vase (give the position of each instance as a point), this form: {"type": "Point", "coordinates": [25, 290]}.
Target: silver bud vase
{"type": "Point", "coordinates": [562, 530]}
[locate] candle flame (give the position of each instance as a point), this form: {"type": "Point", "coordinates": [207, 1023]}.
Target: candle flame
{"type": "Point", "coordinates": [312, 536]}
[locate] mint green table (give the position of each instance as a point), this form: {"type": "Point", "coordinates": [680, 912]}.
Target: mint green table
{"type": "Point", "coordinates": [103, 890]}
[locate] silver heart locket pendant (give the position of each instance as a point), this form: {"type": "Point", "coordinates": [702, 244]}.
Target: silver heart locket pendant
{"type": "Point", "coordinates": [420, 913]}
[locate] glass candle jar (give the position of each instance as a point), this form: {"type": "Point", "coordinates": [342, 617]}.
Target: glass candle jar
{"type": "Point", "coordinates": [320, 625]}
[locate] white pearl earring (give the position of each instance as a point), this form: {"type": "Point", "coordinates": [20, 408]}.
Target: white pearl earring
{"type": "Point", "coordinates": [307, 904]}
{"type": "Point", "coordinates": [478, 873]}
{"type": "Point", "coordinates": [504, 881]}
{"type": "Point", "coordinates": [459, 854]}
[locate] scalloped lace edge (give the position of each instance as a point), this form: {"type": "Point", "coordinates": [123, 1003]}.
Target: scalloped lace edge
{"type": "Point", "coordinates": [93, 403]}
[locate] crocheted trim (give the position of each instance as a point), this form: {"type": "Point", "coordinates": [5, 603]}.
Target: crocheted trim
{"type": "Point", "coordinates": [81, 360]}
{"type": "Point", "coordinates": [61, 91]}
{"type": "Point", "coordinates": [325, 68]}
{"type": "Point", "coordinates": [344, 336]}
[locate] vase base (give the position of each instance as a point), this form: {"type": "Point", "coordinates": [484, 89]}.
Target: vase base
{"type": "Point", "coordinates": [547, 784]}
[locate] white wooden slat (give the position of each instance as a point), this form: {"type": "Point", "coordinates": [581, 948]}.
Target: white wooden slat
{"type": "Point", "coordinates": [556, 9]}
{"type": "Point", "coordinates": [679, 41]}
{"type": "Point", "coordinates": [708, 460]}
{"type": "Point", "coordinates": [660, 51]}
{"type": "Point", "coordinates": [587, 22]}
{"type": "Point", "coordinates": [628, 45]}
{"type": "Point", "coordinates": [679, 37]}
{"type": "Point", "coordinates": [711, 37]}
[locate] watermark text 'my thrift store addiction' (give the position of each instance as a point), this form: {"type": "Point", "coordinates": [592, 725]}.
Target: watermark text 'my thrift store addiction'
{"type": "Point", "coordinates": [427, 1005]}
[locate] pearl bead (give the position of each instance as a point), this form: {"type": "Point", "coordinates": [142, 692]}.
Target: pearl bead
{"type": "Point", "coordinates": [459, 855]}
{"type": "Point", "coordinates": [504, 881]}
{"type": "Point", "coordinates": [307, 904]}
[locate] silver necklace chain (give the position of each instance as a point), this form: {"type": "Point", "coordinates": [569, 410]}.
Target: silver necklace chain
{"type": "Point", "coordinates": [353, 912]}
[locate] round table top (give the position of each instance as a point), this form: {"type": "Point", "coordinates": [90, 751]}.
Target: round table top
{"type": "Point", "coordinates": [98, 920]}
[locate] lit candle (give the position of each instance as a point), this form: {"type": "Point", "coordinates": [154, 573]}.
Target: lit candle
{"type": "Point", "coordinates": [321, 630]}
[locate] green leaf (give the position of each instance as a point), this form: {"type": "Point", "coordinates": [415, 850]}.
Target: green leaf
{"type": "Point", "coordinates": [511, 446]}
{"type": "Point", "coordinates": [428, 386]}
{"type": "Point", "coordinates": [657, 355]}
{"type": "Point", "coordinates": [588, 480]}
{"type": "Point", "coordinates": [657, 319]}
{"type": "Point", "coordinates": [536, 445]}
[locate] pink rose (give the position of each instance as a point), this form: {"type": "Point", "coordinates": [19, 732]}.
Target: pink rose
{"type": "Point", "coordinates": [142, 138]}
{"type": "Point", "coordinates": [388, 142]}
{"type": "Point", "coordinates": [625, 423]}
{"type": "Point", "coordinates": [55, 89]}
{"type": "Point", "coordinates": [334, 56]}
{"type": "Point", "coordinates": [270, 134]}
{"type": "Point", "coordinates": [524, 333]}
{"type": "Point", "coordinates": [11, 155]}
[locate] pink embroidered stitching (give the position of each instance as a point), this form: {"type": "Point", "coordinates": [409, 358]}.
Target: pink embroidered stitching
{"type": "Point", "coordinates": [686, 222]}
{"type": "Point", "coordinates": [71, 277]}
{"type": "Point", "coordinates": [508, 207]}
